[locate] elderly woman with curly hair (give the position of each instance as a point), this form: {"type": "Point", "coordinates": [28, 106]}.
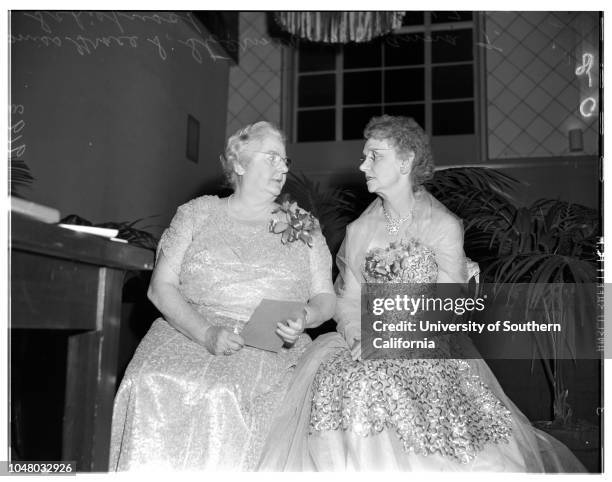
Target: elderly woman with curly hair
{"type": "Point", "coordinates": [412, 410]}
{"type": "Point", "coordinates": [195, 396]}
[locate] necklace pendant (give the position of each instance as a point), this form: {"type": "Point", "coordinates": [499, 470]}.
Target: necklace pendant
{"type": "Point", "coordinates": [392, 228]}
{"type": "Point", "coordinates": [393, 225]}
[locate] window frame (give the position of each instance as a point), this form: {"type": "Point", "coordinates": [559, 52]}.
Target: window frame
{"type": "Point", "coordinates": [291, 77]}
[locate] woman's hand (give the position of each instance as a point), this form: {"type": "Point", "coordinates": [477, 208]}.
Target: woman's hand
{"type": "Point", "coordinates": [165, 294]}
{"type": "Point", "coordinates": [355, 347]}
{"type": "Point", "coordinates": [291, 330]}
{"type": "Point", "coordinates": [221, 341]}
{"type": "Point", "coordinates": [352, 335]}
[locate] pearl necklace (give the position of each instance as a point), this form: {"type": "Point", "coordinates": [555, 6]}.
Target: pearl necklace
{"type": "Point", "coordinates": [393, 225]}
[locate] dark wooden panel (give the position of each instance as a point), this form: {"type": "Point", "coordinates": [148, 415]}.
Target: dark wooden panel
{"type": "Point", "coordinates": [81, 393]}
{"type": "Point", "coordinates": [72, 281]}
{"type": "Point", "coordinates": [52, 293]}
{"type": "Point", "coordinates": [91, 380]}
{"type": "Point", "coordinates": [110, 305]}
{"type": "Point", "coordinates": [31, 235]}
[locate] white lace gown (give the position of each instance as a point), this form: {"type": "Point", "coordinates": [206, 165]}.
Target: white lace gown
{"type": "Point", "coordinates": [178, 406]}
{"type": "Point", "coordinates": [403, 414]}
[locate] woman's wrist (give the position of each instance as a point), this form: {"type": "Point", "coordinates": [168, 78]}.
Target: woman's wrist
{"type": "Point", "coordinates": [320, 308]}
{"type": "Point", "coordinates": [350, 333]}
{"type": "Point", "coordinates": [199, 333]}
{"type": "Point", "coordinates": [310, 316]}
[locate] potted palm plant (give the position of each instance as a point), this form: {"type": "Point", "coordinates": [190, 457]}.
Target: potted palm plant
{"type": "Point", "coordinates": [551, 248]}
{"type": "Point", "coordinates": [334, 207]}
{"type": "Point", "coordinates": [550, 245]}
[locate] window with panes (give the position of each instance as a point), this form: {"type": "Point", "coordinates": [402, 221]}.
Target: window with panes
{"type": "Point", "coordinates": [425, 70]}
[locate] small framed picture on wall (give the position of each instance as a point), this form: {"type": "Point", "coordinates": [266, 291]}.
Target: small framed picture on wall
{"type": "Point", "coordinates": [193, 138]}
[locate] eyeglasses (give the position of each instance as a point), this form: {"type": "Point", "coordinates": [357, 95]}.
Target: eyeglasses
{"type": "Point", "coordinates": [372, 155]}
{"type": "Point", "coordinates": [275, 159]}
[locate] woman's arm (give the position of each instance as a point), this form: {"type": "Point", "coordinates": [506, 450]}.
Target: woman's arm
{"type": "Point", "coordinates": [348, 290]}
{"type": "Point", "coordinates": [320, 307]}
{"type": "Point", "coordinates": [348, 312]}
{"type": "Point", "coordinates": [451, 261]}
{"type": "Point", "coordinates": [448, 247]}
{"type": "Point", "coordinates": [164, 290]}
{"type": "Point", "coordinates": [165, 295]}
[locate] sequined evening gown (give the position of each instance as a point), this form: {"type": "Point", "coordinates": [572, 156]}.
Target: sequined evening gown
{"type": "Point", "coordinates": [404, 414]}
{"type": "Point", "coordinates": [408, 414]}
{"type": "Point", "coordinates": [180, 407]}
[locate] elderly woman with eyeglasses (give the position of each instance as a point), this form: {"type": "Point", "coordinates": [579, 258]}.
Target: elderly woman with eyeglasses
{"type": "Point", "coordinates": [195, 396]}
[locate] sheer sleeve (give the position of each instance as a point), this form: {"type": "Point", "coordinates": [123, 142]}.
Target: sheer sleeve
{"type": "Point", "coordinates": [448, 247]}
{"type": "Point", "coordinates": [320, 266]}
{"type": "Point", "coordinates": [348, 292]}
{"type": "Point", "coordinates": [177, 237]}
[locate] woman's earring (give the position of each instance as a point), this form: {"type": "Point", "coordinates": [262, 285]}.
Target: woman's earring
{"type": "Point", "coordinates": [406, 163]}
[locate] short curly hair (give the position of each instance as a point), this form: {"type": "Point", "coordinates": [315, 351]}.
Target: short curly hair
{"type": "Point", "coordinates": [238, 142]}
{"type": "Point", "coordinates": [406, 135]}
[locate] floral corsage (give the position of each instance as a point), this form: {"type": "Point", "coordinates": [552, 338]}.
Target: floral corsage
{"type": "Point", "coordinates": [298, 224]}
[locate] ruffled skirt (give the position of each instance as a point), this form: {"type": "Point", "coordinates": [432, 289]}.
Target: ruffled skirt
{"type": "Point", "coordinates": [341, 415]}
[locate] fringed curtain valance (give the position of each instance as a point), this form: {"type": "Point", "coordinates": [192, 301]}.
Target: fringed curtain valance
{"type": "Point", "coordinates": [339, 27]}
